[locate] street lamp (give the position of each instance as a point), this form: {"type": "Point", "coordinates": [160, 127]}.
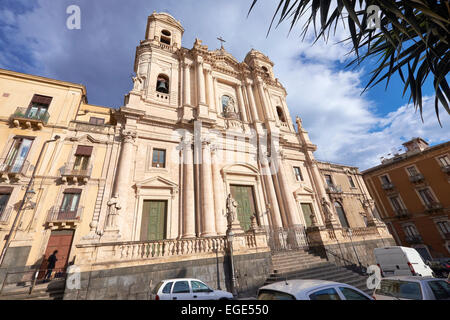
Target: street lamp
{"type": "Point", "coordinates": [230, 236]}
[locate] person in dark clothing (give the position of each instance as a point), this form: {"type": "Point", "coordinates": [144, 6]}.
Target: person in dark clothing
{"type": "Point", "coordinates": [51, 264]}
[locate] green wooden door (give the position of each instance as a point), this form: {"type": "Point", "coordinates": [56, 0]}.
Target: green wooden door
{"type": "Point", "coordinates": [307, 212]}
{"type": "Point", "coordinates": [154, 220]}
{"type": "Point", "coordinates": [246, 204]}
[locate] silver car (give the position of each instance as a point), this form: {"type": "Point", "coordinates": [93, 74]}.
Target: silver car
{"type": "Point", "coordinates": [310, 290]}
{"type": "Point", "coordinates": [187, 289]}
{"type": "Point", "coordinates": [412, 288]}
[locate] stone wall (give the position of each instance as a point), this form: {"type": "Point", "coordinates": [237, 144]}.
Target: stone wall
{"type": "Point", "coordinates": [137, 282]}
{"type": "Point", "coordinates": [351, 252]}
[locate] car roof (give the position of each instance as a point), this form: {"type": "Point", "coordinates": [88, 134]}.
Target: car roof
{"type": "Point", "coordinates": [413, 278]}
{"type": "Point", "coordinates": [294, 287]}
{"type": "Point", "coordinates": [181, 279]}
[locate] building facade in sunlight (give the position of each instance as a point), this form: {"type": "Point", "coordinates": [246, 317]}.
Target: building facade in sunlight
{"type": "Point", "coordinates": [412, 194]}
{"type": "Point", "coordinates": [203, 144]}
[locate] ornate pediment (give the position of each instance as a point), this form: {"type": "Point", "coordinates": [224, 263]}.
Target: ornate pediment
{"type": "Point", "coordinates": [158, 182]}
{"type": "Point", "coordinates": [304, 190]}
{"type": "Point", "coordinates": [86, 138]}
{"type": "Point", "coordinates": [240, 169]}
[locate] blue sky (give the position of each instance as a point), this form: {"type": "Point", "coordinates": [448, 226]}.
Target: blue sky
{"type": "Point", "coordinates": [348, 127]}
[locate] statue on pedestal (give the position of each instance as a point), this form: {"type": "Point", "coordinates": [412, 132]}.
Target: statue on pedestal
{"type": "Point", "coordinates": [231, 210]}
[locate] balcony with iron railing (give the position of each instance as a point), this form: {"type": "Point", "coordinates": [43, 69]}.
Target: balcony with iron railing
{"type": "Point", "coordinates": [13, 169]}
{"type": "Point", "coordinates": [402, 213]}
{"type": "Point", "coordinates": [70, 172]}
{"type": "Point", "coordinates": [414, 239]}
{"type": "Point", "coordinates": [387, 186]}
{"type": "Point", "coordinates": [28, 118]}
{"type": "Point", "coordinates": [5, 213]}
{"type": "Point", "coordinates": [58, 215]}
{"type": "Point", "coordinates": [332, 188]}
{"type": "Point", "coordinates": [416, 178]}
{"type": "Point", "coordinates": [433, 207]}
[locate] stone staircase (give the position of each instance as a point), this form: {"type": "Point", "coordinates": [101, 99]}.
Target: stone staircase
{"type": "Point", "coordinates": [301, 264]}
{"type": "Point", "coordinates": [53, 290]}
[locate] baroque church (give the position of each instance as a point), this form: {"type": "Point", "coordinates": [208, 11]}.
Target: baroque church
{"type": "Point", "coordinates": [203, 146]}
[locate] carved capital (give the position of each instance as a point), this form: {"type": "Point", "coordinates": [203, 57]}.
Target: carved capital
{"type": "Point", "coordinates": [129, 135]}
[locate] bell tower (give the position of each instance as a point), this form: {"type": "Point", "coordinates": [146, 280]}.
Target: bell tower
{"type": "Point", "coordinates": [156, 63]}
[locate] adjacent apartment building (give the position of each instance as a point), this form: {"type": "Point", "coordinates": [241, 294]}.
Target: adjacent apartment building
{"type": "Point", "coordinates": [412, 195]}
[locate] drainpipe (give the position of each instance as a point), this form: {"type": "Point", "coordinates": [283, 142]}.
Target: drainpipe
{"type": "Point", "coordinates": [12, 232]}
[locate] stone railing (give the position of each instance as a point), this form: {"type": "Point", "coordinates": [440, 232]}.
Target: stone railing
{"type": "Point", "coordinates": [168, 248]}
{"type": "Point", "coordinates": [359, 232]}
{"type": "Point", "coordinates": [148, 252]}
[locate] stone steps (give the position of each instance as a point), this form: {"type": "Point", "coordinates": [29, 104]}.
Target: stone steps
{"type": "Point", "coordinates": [53, 290]}
{"type": "Point", "coordinates": [304, 265]}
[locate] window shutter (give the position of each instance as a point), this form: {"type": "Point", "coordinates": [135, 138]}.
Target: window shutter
{"type": "Point", "coordinates": [84, 151]}
{"type": "Point", "coordinates": [41, 99]}
{"type": "Point", "coordinates": [72, 190]}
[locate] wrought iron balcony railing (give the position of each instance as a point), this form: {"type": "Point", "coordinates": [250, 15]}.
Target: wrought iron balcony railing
{"type": "Point", "coordinates": [416, 178]}
{"type": "Point", "coordinates": [332, 188]}
{"type": "Point", "coordinates": [402, 213]}
{"type": "Point", "coordinates": [14, 167]}
{"type": "Point", "coordinates": [446, 169]}
{"type": "Point", "coordinates": [414, 239]}
{"type": "Point", "coordinates": [387, 186]}
{"type": "Point", "coordinates": [58, 214]}
{"type": "Point", "coordinates": [5, 213]}
{"type": "Point", "coordinates": [433, 207]}
{"type": "Point", "coordinates": [31, 116]}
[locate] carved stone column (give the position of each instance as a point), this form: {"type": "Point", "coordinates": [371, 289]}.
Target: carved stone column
{"type": "Point", "coordinates": [251, 98]}
{"type": "Point", "coordinates": [241, 104]}
{"type": "Point", "coordinates": [277, 222]}
{"type": "Point", "coordinates": [292, 210]}
{"type": "Point", "coordinates": [219, 194]}
{"type": "Point", "coordinates": [209, 80]}
{"type": "Point", "coordinates": [121, 185]}
{"type": "Point", "coordinates": [208, 225]}
{"type": "Point", "coordinates": [188, 190]}
{"type": "Point", "coordinates": [262, 97]}
{"type": "Point", "coordinates": [187, 83]}
{"type": "Point", "coordinates": [201, 81]}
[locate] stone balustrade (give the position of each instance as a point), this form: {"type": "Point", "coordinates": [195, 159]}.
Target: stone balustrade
{"type": "Point", "coordinates": [150, 252]}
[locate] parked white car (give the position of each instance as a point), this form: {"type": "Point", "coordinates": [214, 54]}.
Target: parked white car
{"type": "Point", "coordinates": [412, 288]}
{"type": "Point", "coordinates": [310, 290]}
{"type": "Point", "coordinates": [187, 289]}
{"type": "Point", "coordinates": [401, 261]}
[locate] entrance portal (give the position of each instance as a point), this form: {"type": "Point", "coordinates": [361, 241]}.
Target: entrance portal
{"type": "Point", "coordinates": [245, 197]}
{"type": "Point", "coordinates": [154, 220]}
{"type": "Point", "coordinates": [60, 240]}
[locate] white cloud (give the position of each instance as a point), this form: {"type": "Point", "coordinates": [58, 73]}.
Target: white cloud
{"type": "Point", "coordinates": [344, 124]}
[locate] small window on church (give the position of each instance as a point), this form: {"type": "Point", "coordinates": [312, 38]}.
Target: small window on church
{"type": "Point", "coordinates": [225, 102]}
{"type": "Point", "coordinates": [162, 84]}
{"type": "Point", "coordinates": [165, 36]}
{"type": "Point", "coordinates": [281, 114]}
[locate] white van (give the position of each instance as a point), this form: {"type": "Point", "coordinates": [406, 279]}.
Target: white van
{"type": "Point", "coordinates": [401, 261]}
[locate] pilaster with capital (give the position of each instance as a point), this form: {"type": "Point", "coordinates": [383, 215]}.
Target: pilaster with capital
{"type": "Point", "coordinates": [293, 214]}
{"type": "Point", "coordinates": [187, 83]}
{"type": "Point", "coordinates": [219, 193]}
{"type": "Point", "coordinates": [251, 99]}
{"type": "Point", "coordinates": [208, 215]}
{"type": "Point", "coordinates": [188, 191]}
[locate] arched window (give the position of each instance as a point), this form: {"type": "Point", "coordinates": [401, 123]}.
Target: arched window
{"type": "Point", "coordinates": [165, 37]}
{"type": "Point", "coordinates": [281, 114]}
{"type": "Point", "coordinates": [162, 83]}
{"type": "Point", "coordinates": [341, 215]}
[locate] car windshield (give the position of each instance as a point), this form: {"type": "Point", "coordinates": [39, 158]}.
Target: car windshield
{"type": "Point", "coordinates": [274, 295]}
{"type": "Point", "coordinates": [155, 289]}
{"type": "Point", "coordinates": [441, 289]}
{"type": "Point", "coordinates": [400, 289]}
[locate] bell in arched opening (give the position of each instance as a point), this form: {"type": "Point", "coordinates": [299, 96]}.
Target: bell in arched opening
{"type": "Point", "coordinates": [162, 84]}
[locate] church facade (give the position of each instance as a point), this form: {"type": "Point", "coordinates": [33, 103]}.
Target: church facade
{"type": "Point", "coordinates": [203, 145]}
